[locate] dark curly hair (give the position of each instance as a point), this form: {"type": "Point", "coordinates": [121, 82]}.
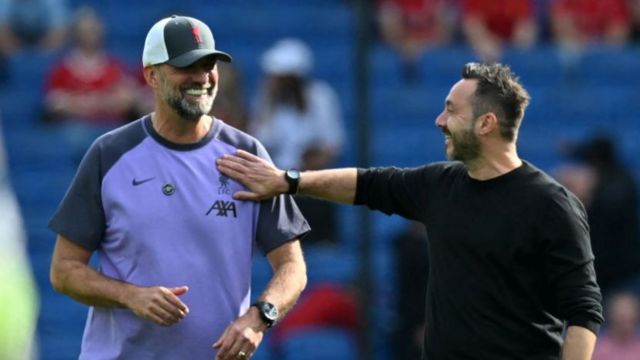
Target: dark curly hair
{"type": "Point", "coordinates": [499, 91]}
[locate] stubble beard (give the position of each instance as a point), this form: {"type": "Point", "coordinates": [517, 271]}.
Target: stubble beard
{"type": "Point", "coordinates": [465, 146]}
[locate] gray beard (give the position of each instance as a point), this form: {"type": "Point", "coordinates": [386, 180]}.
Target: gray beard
{"type": "Point", "coordinates": [189, 111]}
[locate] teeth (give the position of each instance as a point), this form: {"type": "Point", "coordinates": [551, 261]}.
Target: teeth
{"type": "Point", "coordinates": [196, 92]}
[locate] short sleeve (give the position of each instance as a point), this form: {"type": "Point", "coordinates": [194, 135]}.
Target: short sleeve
{"type": "Point", "coordinates": [80, 216]}
{"type": "Point", "coordinates": [279, 219]}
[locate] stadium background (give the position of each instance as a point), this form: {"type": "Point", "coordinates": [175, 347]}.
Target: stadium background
{"type": "Point", "coordinates": [597, 95]}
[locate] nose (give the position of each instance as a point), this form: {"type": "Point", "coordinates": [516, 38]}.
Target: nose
{"type": "Point", "coordinates": [441, 120]}
{"type": "Point", "coordinates": [200, 76]}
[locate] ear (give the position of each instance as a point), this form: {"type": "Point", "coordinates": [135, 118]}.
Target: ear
{"type": "Point", "coordinates": [151, 76]}
{"type": "Point", "coordinates": [487, 123]}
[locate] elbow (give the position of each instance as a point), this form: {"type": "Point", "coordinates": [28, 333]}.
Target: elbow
{"type": "Point", "coordinates": [57, 277]}
{"type": "Point", "coordinates": [303, 279]}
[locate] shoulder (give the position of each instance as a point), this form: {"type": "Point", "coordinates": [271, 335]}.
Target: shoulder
{"type": "Point", "coordinates": [123, 137]}
{"type": "Point", "coordinates": [443, 170]}
{"type": "Point", "coordinates": [320, 89]}
{"type": "Point", "coordinates": [111, 146]}
{"type": "Point", "coordinates": [549, 193]}
{"type": "Point", "coordinates": [237, 138]}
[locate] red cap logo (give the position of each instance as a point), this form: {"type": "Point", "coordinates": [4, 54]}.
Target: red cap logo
{"type": "Point", "coordinates": [196, 35]}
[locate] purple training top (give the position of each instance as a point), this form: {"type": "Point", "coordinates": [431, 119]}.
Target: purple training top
{"type": "Point", "coordinates": [160, 214]}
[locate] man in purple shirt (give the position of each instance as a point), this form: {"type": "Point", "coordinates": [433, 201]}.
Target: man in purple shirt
{"type": "Point", "coordinates": [174, 247]}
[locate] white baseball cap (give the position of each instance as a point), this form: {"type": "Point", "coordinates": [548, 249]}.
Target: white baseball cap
{"type": "Point", "coordinates": [288, 56]}
{"type": "Point", "coordinates": [179, 41]}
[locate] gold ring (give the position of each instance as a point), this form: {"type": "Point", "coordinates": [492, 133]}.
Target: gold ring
{"type": "Point", "coordinates": [242, 354]}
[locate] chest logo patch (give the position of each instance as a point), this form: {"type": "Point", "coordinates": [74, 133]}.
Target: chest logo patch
{"type": "Point", "coordinates": [168, 189]}
{"type": "Point", "coordinates": [224, 208]}
{"type": "Point", "coordinates": [223, 189]}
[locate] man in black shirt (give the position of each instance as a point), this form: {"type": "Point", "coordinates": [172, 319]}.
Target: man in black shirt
{"type": "Point", "coordinates": [510, 257]}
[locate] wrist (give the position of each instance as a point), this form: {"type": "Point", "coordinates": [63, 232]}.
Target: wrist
{"type": "Point", "coordinates": [267, 312]}
{"type": "Point", "coordinates": [258, 324]}
{"type": "Point", "coordinates": [126, 295]}
{"type": "Point", "coordinates": [292, 177]}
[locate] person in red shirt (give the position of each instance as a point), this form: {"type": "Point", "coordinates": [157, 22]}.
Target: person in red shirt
{"type": "Point", "coordinates": [411, 27]}
{"type": "Point", "coordinates": [575, 23]}
{"type": "Point", "coordinates": [488, 25]}
{"type": "Point", "coordinates": [88, 85]}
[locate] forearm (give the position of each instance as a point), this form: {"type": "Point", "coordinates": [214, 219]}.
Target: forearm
{"type": "Point", "coordinates": [285, 286]}
{"type": "Point", "coordinates": [578, 344]}
{"type": "Point", "coordinates": [337, 185]}
{"type": "Point", "coordinates": [84, 284]}
{"type": "Point", "coordinates": [289, 276]}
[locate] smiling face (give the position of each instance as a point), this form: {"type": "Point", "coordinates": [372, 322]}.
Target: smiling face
{"type": "Point", "coordinates": [189, 91]}
{"type": "Point", "coordinates": [457, 123]}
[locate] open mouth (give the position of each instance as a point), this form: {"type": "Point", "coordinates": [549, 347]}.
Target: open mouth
{"type": "Point", "coordinates": [198, 92]}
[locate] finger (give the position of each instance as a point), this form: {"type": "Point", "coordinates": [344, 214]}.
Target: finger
{"type": "Point", "coordinates": [218, 343]}
{"type": "Point", "coordinates": [231, 169]}
{"type": "Point", "coordinates": [224, 350]}
{"type": "Point", "coordinates": [179, 291]}
{"type": "Point", "coordinates": [231, 352]}
{"type": "Point", "coordinates": [246, 195]}
{"type": "Point", "coordinates": [170, 311]}
{"type": "Point", "coordinates": [247, 155]}
{"type": "Point", "coordinates": [177, 303]}
{"type": "Point", "coordinates": [233, 159]}
{"type": "Point", "coordinates": [160, 316]}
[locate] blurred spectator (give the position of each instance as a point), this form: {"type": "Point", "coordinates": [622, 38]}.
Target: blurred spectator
{"type": "Point", "coordinates": [413, 26]}
{"type": "Point", "coordinates": [489, 25]}
{"type": "Point", "coordinates": [299, 120]}
{"type": "Point", "coordinates": [32, 23]}
{"type": "Point", "coordinates": [575, 23]}
{"type": "Point", "coordinates": [610, 197]}
{"type": "Point", "coordinates": [230, 103]}
{"type": "Point", "coordinates": [18, 297]}
{"type": "Point", "coordinates": [88, 85]}
{"type": "Point", "coordinates": [412, 268]}
{"type": "Point", "coordinates": [634, 10]}
{"type": "Point", "coordinates": [620, 340]}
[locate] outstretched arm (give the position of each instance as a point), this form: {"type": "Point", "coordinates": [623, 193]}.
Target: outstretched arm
{"type": "Point", "coordinates": [71, 275]}
{"type": "Point", "coordinates": [265, 181]}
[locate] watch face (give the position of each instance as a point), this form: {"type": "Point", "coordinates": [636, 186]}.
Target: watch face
{"type": "Point", "coordinates": [293, 174]}
{"type": "Point", "coordinates": [270, 311]}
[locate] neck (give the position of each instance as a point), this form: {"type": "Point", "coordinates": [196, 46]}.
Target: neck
{"type": "Point", "coordinates": [172, 127]}
{"type": "Point", "coordinates": [494, 162]}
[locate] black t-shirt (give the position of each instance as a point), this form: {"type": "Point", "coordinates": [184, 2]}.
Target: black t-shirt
{"type": "Point", "coordinates": [510, 258]}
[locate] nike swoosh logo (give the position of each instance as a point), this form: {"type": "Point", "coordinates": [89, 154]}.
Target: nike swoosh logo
{"type": "Point", "coordinates": [135, 182]}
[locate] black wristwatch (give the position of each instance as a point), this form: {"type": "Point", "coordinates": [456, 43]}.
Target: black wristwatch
{"type": "Point", "coordinates": [293, 179]}
{"type": "Point", "coordinates": [268, 312]}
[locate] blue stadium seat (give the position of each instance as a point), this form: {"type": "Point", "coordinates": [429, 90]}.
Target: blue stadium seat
{"type": "Point", "coordinates": [330, 264]}
{"type": "Point", "coordinates": [606, 66]}
{"type": "Point", "coordinates": [541, 66]}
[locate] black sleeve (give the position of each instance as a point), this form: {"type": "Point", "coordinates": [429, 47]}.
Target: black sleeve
{"type": "Point", "coordinates": [393, 191]}
{"type": "Point", "coordinates": [80, 216]}
{"type": "Point", "coordinates": [569, 261]}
